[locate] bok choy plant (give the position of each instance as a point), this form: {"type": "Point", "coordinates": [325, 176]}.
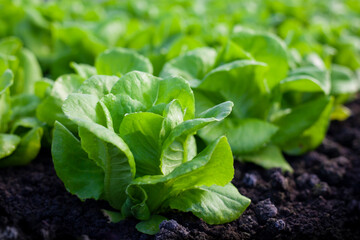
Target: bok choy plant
{"type": "Point", "coordinates": [135, 148]}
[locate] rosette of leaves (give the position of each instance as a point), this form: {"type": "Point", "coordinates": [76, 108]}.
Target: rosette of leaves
{"type": "Point", "coordinates": [135, 148]}
{"type": "Point", "coordinates": [241, 73]}
{"type": "Point", "coordinates": [20, 131]}
{"type": "Point", "coordinates": [275, 109]}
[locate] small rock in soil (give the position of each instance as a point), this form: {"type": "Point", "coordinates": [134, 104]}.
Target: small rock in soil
{"type": "Point", "coordinates": [171, 230]}
{"type": "Point", "coordinates": [265, 210]}
{"type": "Point", "coordinates": [250, 180]}
{"type": "Point", "coordinates": [279, 225]}
{"type": "Point", "coordinates": [321, 189]}
{"type": "Point", "coordinates": [307, 180]}
{"type": "Point", "coordinates": [9, 233]}
{"type": "Point", "coordinates": [274, 226]}
{"type": "Point", "coordinates": [341, 161]}
{"type": "Point", "coordinates": [278, 181]}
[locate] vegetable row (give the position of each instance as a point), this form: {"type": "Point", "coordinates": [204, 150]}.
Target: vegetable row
{"type": "Point", "coordinates": [147, 109]}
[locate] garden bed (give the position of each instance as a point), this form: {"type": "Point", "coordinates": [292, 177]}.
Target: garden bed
{"type": "Point", "coordinates": [320, 200]}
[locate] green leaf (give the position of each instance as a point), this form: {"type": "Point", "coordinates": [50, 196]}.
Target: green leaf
{"type": "Point", "coordinates": [173, 116]}
{"type": "Point", "coordinates": [183, 44]}
{"type": "Point", "coordinates": [9, 62]}
{"type": "Point", "coordinates": [177, 88]}
{"type": "Point", "coordinates": [74, 167]}
{"type": "Point", "coordinates": [218, 112]}
{"type": "Point", "coordinates": [42, 87]}
{"type": "Point", "coordinates": [113, 216]}
{"type": "Point", "coordinates": [24, 105]}
{"type": "Point", "coordinates": [66, 84]}
{"type": "Point", "coordinates": [82, 110]}
{"type": "Point", "coordinates": [267, 48]}
{"type": "Point", "coordinates": [214, 204]}
{"type": "Point", "coordinates": [150, 226]}
{"type": "Point", "coordinates": [83, 70]}
{"type": "Point", "coordinates": [142, 87]}
{"type": "Point", "coordinates": [5, 111]}
{"type": "Point", "coordinates": [302, 83]}
{"type": "Point", "coordinates": [183, 148]}
{"type": "Point", "coordinates": [192, 66]}
{"type": "Point", "coordinates": [322, 76]}
{"type": "Point", "coordinates": [105, 115]}
{"type": "Point", "coordinates": [232, 52]}
{"type": "Point", "coordinates": [98, 151]}
{"type": "Point", "coordinates": [151, 91]}
{"type": "Point", "coordinates": [98, 85]}
{"type": "Point", "coordinates": [8, 144]}
{"type": "Point", "coordinates": [141, 131]}
{"type": "Point", "coordinates": [315, 60]}
{"type": "Point", "coordinates": [119, 105]}
{"type": "Point", "coordinates": [299, 119]}
{"type": "Point", "coordinates": [28, 73]}
{"type": "Point", "coordinates": [49, 110]}
{"type": "Point", "coordinates": [119, 61]}
{"type": "Point", "coordinates": [113, 162]}
{"type": "Point", "coordinates": [268, 157]}
{"type": "Point", "coordinates": [25, 122]}
{"type": "Point", "coordinates": [6, 80]}
{"type": "Point", "coordinates": [214, 165]}
{"type": "Point", "coordinates": [205, 100]}
{"type": "Point", "coordinates": [135, 204]}
{"type": "Point", "coordinates": [244, 135]}
{"type": "Point", "coordinates": [175, 148]}
{"type": "Point", "coordinates": [10, 45]}
{"type": "Point", "coordinates": [241, 82]}
{"type": "Point", "coordinates": [27, 150]}
{"type": "Point", "coordinates": [34, 31]}
{"type": "Point", "coordinates": [74, 42]}
{"type": "Point", "coordinates": [313, 136]}
{"type": "Point", "coordinates": [340, 113]}
{"type": "Point", "coordinates": [343, 80]}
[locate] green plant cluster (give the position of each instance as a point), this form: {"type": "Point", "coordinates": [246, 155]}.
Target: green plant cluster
{"type": "Point", "coordinates": [20, 130]}
{"type": "Point", "coordinates": [144, 103]}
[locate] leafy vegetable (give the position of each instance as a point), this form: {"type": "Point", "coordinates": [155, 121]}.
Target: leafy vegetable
{"type": "Point", "coordinates": [20, 131]}
{"type": "Point", "coordinates": [136, 149]}
{"type": "Point", "coordinates": [119, 61]}
{"type": "Point", "coordinates": [279, 71]}
{"type": "Point", "coordinates": [287, 111]}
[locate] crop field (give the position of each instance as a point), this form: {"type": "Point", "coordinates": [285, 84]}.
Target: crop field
{"type": "Point", "coordinates": [185, 119]}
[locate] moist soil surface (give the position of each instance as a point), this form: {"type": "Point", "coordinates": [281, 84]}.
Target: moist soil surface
{"type": "Point", "coordinates": [319, 200]}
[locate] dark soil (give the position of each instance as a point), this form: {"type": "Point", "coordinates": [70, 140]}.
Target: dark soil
{"type": "Point", "coordinates": [320, 200]}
